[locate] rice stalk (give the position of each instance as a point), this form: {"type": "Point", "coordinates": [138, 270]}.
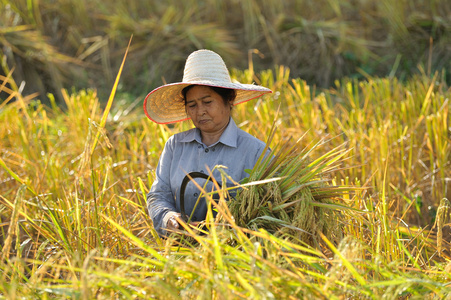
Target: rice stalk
{"type": "Point", "coordinates": [442, 216]}
{"type": "Point", "coordinates": [13, 225]}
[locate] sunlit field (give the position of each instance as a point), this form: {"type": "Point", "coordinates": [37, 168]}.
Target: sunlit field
{"type": "Point", "coordinates": [354, 204]}
{"type": "Point", "coordinates": [74, 221]}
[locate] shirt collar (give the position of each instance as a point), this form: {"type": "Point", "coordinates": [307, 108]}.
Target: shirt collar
{"type": "Point", "coordinates": [229, 136]}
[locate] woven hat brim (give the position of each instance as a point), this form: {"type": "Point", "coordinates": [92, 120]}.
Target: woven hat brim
{"type": "Point", "coordinates": [165, 105]}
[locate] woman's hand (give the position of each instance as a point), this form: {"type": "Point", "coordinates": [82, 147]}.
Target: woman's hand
{"type": "Point", "coordinates": [173, 223]}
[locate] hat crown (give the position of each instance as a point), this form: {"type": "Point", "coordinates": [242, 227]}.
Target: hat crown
{"type": "Point", "coordinates": [205, 65]}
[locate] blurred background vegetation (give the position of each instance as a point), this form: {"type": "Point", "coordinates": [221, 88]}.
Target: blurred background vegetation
{"type": "Point", "coordinates": [55, 44]}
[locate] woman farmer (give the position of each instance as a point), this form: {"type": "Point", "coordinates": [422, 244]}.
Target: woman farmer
{"type": "Point", "coordinates": [206, 96]}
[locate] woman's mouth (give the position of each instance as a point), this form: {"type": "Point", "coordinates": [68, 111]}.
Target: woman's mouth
{"type": "Point", "coordinates": [203, 121]}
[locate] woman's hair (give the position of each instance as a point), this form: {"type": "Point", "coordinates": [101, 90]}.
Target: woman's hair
{"type": "Point", "coordinates": [228, 95]}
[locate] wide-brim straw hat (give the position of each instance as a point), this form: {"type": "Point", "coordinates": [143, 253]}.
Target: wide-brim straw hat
{"type": "Point", "coordinates": [165, 104]}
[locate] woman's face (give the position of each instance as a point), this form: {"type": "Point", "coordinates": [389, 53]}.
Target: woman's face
{"type": "Point", "coordinates": [207, 109]}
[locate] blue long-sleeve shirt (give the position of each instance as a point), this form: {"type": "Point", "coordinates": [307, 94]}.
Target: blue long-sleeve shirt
{"type": "Point", "coordinates": [183, 153]}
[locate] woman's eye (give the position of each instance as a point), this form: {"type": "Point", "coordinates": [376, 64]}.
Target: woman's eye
{"type": "Point", "coordinates": [207, 102]}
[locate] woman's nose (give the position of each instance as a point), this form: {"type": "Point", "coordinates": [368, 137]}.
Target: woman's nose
{"type": "Point", "coordinates": [201, 110]}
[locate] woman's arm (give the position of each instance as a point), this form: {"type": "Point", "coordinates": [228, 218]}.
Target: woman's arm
{"type": "Point", "coordinates": [160, 200]}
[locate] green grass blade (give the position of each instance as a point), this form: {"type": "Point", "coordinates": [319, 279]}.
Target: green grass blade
{"type": "Point", "coordinates": [110, 99]}
{"type": "Point", "coordinates": [346, 262]}
{"type": "Point", "coordinates": [136, 240]}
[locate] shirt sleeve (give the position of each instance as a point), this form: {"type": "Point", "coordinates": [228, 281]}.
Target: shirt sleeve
{"type": "Point", "coordinates": [160, 200]}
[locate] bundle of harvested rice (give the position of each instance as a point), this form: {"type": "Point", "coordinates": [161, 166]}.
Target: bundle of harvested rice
{"type": "Point", "coordinates": [301, 204]}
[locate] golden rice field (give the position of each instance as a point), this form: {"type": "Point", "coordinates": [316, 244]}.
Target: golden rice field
{"type": "Point", "coordinates": [73, 220]}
